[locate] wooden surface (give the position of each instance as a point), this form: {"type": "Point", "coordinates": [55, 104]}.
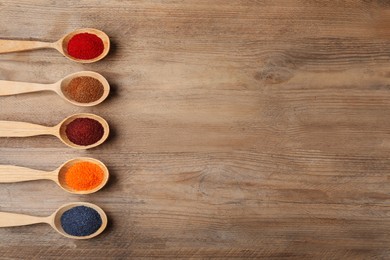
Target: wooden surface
{"type": "Point", "coordinates": [240, 128]}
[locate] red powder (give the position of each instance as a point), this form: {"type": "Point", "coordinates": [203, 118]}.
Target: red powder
{"type": "Point", "coordinates": [84, 131]}
{"type": "Point", "coordinates": [85, 46]}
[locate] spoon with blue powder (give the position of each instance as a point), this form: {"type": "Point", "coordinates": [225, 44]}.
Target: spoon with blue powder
{"type": "Point", "coordinates": [78, 220]}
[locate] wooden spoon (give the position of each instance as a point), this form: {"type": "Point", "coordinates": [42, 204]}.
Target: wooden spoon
{"type": "Point", "coordinates": [22, 129]}
{"type": "Point", "coordinates": [61, 45]}
{"type": "Point", "coordinates": [13, 87]}
{"type": "Point", "coordinates": [10, 173]}
{"type": "Point", "coordinates": [13, 220]}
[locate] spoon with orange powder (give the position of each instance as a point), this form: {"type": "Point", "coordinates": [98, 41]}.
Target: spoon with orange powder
{"type": "Point", "coordinates": [79, 176]}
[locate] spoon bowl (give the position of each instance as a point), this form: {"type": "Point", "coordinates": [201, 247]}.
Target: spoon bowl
{"type": "Point", "coordinates": [63, 125]}
{"type": "Point", "coordinates": [55, 219]}
{"type": "Point", "coordinates": [65, 167]}
{"type": "Point", "coordinates": [63, 44]}
{"type": "Point", "coordinates": [63, 83]}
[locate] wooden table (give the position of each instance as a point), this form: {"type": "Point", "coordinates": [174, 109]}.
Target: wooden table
{"type": "Point", "coordinates": [240, 128]}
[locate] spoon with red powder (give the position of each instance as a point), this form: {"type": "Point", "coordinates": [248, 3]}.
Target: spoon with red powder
{"type": "Point", "coordinates": [84, 88]}
{"type": "Point", "coordinates": [80, 131]}
{"type": "Point", "coordinates": [79, 176]}
{"type": "Point", "coordinates": [85, 45]}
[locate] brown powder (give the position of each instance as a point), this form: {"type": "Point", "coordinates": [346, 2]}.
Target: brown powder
{"type": "Point", "coordinates": [84, 89]}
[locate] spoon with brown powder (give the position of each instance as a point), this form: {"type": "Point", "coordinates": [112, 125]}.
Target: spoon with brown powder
{"type": "Point", "coordinates": [84, 88]}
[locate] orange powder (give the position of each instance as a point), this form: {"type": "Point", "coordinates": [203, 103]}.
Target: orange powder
{"type": "Point", "coordinates": [84, 176]}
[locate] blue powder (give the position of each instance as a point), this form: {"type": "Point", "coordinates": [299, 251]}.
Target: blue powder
{"type": "Point", "coordinates": [81, 221]}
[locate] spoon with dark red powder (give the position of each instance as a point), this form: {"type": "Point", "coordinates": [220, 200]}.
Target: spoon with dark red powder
{"type": "Point", "coordinates": [85, 45]}
{"type": "Point", "coordinates": [80, 131]}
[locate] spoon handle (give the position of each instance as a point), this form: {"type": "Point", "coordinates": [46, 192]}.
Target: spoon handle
{"type": "Point", "coordinates": [15, 45]}
{"type": "Point", "coordinates": [21, 129]}
{"type": "Point", "coordinates": [12, 220]}
{"type": "Point", "coordinates": [14, 87]}
{"type": "Point", "coordinates": [10, 173]}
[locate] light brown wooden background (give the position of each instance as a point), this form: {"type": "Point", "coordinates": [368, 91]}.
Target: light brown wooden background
{"type": "Point", "coordinates": [240, 128]}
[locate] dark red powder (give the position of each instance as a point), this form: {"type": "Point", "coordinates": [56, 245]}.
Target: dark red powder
{"type": "Point", "coordinates": [85, 46]}
{"type": "Point", "coordinates": [84, 131]}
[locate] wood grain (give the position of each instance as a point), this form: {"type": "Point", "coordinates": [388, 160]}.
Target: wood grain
{"type": "Point", "coordinates": [246, 129]}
